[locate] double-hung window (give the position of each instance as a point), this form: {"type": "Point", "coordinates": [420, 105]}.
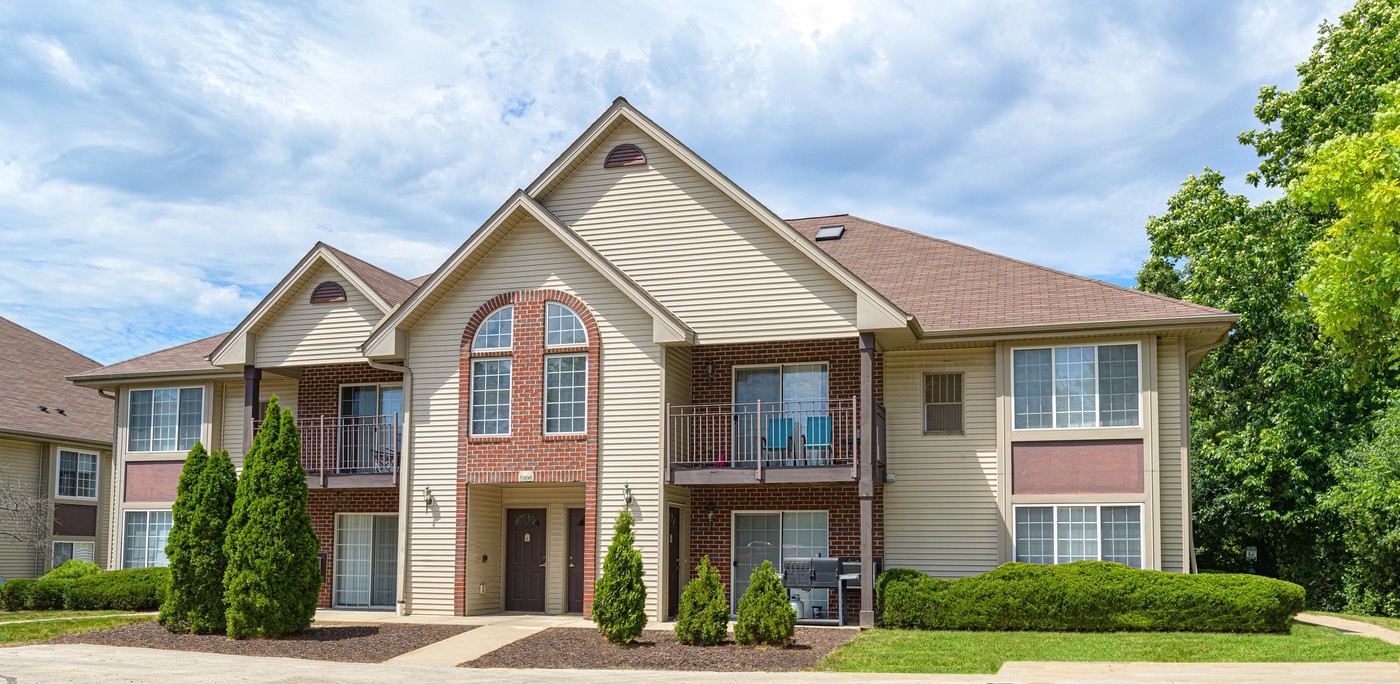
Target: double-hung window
{"type": "Point", "coordinates": [1064, 534]}
{"type": "Point", "coordinates": [77, 474]}
{"type": "Point", "coordinates": [1076, 387]}
{"type": "Point", "coordinates": [64, 551]}
{"type": "Point", "coordinates": [164, 419]}
{"type": "Point", "coordinates": [146, 534]}
{"type": "Point", "coordinates": [490, 381]}
{"type": "Point", "coordinates": [565, 394]}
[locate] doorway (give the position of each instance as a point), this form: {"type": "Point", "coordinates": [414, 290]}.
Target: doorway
{"type": "Point", "coordinates": [575, 569]}
{"type": "Point", "coordinates": [525, 559]}
{"type": "Point", "coordinates": [673, 562]}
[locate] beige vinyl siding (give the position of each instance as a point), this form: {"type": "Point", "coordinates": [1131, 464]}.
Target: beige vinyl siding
{"type": "Point", "coordinates": [729, 277]}
{"type": "Point", "coordinates": [530, 257]}
{"type": "Point", "coordinates": [231, 419]}
{"type": "Point", "coordinates": [21, 462]}
{"type": "Point", "coordinates": [306, 334]}
{"type": "Point", "coordinates": [1169, 443]}
{"type": "Point", "coordinates": [941, 510]}
{"type": "Point", "coordinates": [485, 538]}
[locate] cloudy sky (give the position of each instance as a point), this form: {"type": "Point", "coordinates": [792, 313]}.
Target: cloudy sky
{"type": "Point", "coordinates": [162, 166]}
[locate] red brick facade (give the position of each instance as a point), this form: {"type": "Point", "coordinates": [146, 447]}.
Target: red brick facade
{"type": "Point", "coordinates": [841, 355]}
{"type": "Point", "coordinates": [549, 458]}
{"type": "Point", "coordinates": [324, 504]}
{"type": "Point", "coordinates": [318, 391]}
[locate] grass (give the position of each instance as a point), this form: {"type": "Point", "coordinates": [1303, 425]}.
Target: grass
{"type": "Point", "coordinates": [891, 650]}
{"type": "Point", "coordinates": [50, 614]}
{"type": "Point", "coordinates": [33, 632]}
{"type": "Point", "coordinates": [1393, 623]}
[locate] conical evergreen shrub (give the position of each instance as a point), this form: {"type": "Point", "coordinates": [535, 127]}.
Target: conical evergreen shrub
{"type": "Point", "coordinates": [703, 616]}
{"type": "Point", "coordinates": [213, 498]}
{"type": "Point", "coordinates": [765, 616]}
{"type": "Point", "coordinates": [273, 576]}
{"type": "Point", "coordinates": [619, 596]}
{"type": "Point", "coordinates": [174, 613]}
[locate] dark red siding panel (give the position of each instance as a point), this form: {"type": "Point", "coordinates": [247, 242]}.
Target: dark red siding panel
{"type": "Point", "coordinates": [152, 480]}
{"type": "Point", "coordinates": [328, 292]}
{"type": "Point", "coordinates": [74, 520]}
{"type": "Point", "coordinates": [1106, 466]}
{"type": "Point", "coordinates": [625, 154]}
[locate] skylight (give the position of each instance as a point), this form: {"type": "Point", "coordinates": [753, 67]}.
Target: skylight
{"type": "Point", "coordinates": [830, 233]}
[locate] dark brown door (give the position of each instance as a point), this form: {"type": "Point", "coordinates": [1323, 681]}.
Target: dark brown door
{"type": "Point", "coordinates": [575, 569]}
{"type": "Point", "coordinates": [673, 562]}
{"type": "Point", "coordinates": [525, 546]}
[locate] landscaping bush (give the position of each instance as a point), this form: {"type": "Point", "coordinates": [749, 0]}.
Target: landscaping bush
{"type": "Point", "coordinates": [891, 575]}
{"type": "Point", "coordinates": [619, 596]}
{"type": "Point", "coordinates": [1093, 596]}
{"type": "Point", "coordinates": [174, 613]}
{"type": "Point", "coordinates": [14, 594]}
{"type": "Point", "coordinates": [765, 616]}
{"type": "Point", "coordinates": [703, 616]}
{"type": "Point", "coordinates": [47, 593]}
{"type": "Point", "coordinates": [73, 569]}
{"type": "Point", "coordinates": [134, 589]}
{"type": "Point", "coordinates": [204, 504]}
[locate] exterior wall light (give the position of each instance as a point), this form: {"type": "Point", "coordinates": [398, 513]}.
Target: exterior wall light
{"type": "Point", "coordinates": [627, 498]}
{"type": "Point", "coordinates": [427, 496]}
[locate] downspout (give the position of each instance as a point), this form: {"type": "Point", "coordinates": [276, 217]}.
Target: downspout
{"type": "Point", "coordinates": [403, 606]}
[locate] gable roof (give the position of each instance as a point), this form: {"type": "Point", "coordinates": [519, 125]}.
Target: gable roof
{"type": "Point", "coordinates": [33, 373]}
{"type": "Point", "coordinates": [950, 287]}
{"type": "Point", "coordinates": [190, 358]}
{"type": "Point", "coordinates": [667, 326]}
{"type": "Point", "coordinates": [391, 288]}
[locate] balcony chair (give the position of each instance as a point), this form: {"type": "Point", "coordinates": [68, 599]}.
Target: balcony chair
{"type": "Point", "coordinates": [777, 441]}
{"type": "Point", "coordinates": [816, 441]}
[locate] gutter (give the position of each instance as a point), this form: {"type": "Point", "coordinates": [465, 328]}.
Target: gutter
{"type": "Point", "coordinates": [403, 605]}
{"type": "Point", "coordinates": [1076, 329]}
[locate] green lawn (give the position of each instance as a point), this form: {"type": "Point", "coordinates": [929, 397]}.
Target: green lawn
{"type": "Point", "coordinates": [1393, 623]}
{"type": "Point", "coordinates": [32, 632]}
{"type": "Point", "coordinates": [49, 614]}
{"type": "Point", "coordinates": [891, 650]}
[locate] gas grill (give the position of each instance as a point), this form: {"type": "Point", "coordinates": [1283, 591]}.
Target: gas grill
{"type": "Point", "coordinates": [807, 574]}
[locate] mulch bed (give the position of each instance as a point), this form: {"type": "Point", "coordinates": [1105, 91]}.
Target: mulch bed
{"type": "Point", "coordinates": [586, 649]}
{"type": "Point", "coordinates": [346, 643]}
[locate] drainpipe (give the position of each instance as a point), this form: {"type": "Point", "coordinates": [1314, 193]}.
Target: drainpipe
{"type": "Point", "coordinates": [402, 605]}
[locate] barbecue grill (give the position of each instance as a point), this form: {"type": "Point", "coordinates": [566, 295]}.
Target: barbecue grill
{"type": "Point", "coordinates": [839, 574]}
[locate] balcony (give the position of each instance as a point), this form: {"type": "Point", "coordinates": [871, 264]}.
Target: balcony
{"type": "Point", "coordinates": [349, 451]}
{"type": "Point", "coordinates": [774, 442]}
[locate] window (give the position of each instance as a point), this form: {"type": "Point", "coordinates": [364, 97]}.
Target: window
{"type": "Point", "coordinates": [1075, 387]}
{"type": "Point", "coordinates": [494, 334]}
{"type": "Point", "coordinates": [366, 558]}
{"type": "Point", "coordinates": [371, 418]}
{"type": "Point", "coordinates": [1064, 534]}
{"type": "Point", "coordinates": [77, 474]}
{"type": "Point", "coordinates": [491, 396]}
{"type": "Point", "coordinates": [563, 327]}
{"type": "Point", "coordinates": [64, 551]}
{"type": "Point", "coordinates": [776, 536]}
{"type": "Point", "coordinates": [164, 419]}
{"type": "Point", "coordinates": [565, 394]}
{"type": "Point", "coordinates": [943, 408]}
{"type": "Point", "coordinates": [146, 533]}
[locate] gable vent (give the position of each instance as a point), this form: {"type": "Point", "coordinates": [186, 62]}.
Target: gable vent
{"type": "Point", "coordinates": [830, 233]}
{"type": "Point", "coordinates": [327, 292]}
{"type": "Point", "coordinates": [625, 154]}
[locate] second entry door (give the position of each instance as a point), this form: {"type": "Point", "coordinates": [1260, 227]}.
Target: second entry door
{"type": "Point", "coordinates": [525, 559]}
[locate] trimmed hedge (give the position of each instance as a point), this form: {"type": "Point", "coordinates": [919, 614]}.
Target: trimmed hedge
{"type": "Point", "coordinates": [885, 578]}
{"type": "Point", "coordinates": [132, 589]}
{"type": "Point", "coordinates": [47, 593]}
{"type": "Point", "coordinates": [1091, 596]}
{"type": "Point", "coordinates": [15, 593]}
{"type": "Point", "coordinates": [73, 569]}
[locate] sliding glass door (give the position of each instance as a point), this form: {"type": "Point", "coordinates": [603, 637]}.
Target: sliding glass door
{"type": "Point", "coordinates": [775, 409]}
{"type": "Point", "coordinates": [774, 537]}
{"type": "Point", "coordinates": [366, 560]}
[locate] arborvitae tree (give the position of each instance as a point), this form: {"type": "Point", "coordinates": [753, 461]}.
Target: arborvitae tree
{"type": "Point", "coordinates": [703, 617]}
{"type": "Point", "coordinates": [213, 497]}
{"type": "Point", "coordinates": [273, 576]}
{"type": "Point", "coordinates": [619, 596]}
{"type": "Point", "coordinates": [765, 616]}
{"type": "Point", "coordinates": [174, 613]}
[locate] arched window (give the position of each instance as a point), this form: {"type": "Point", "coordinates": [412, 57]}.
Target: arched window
{"type": "Point", "coordinates": [495, 332]}
{"type": "Point", "coordinates": [563, 327]}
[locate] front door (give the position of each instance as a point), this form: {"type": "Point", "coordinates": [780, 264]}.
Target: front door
{"type": "Point", "coordinates": [525, 564]}
{"type": "Point", "coordinates": [575, 569]}
{"type": "Point", "coordinates": [673, 562]}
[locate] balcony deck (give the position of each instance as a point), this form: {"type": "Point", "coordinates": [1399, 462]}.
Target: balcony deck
{"type": "Point", "coordinates": [763, 442]}
{"type": "Point", "coordinates": [350, 452]}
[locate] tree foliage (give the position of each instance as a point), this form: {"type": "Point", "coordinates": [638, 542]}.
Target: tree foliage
{"type": "Point", "coordinates": [1366, 504]}
{"type": "Point", "coordinates": [703, 616]}
{"type": "Point", "coordinates": [174, 613]}
{"type": "Point", "coordinates": [213, 504]}
{"type": "Point", "coordinates": [620, 596]}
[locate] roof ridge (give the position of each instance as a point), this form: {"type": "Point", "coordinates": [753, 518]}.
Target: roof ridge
{"type": "Point", "coordinates": [820, 216]}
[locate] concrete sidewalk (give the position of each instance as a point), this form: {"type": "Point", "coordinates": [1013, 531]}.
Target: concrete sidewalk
{"type": "Point", "coordinates": [1357, 627]}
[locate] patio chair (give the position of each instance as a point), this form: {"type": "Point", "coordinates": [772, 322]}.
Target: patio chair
{"type": "Point", "coordinates": [816, 441]}
{"type": "Point", "coordinates": [777, 440]}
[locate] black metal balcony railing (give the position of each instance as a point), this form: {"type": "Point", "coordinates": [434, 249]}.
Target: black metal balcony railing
{"type": "Point", "coordinates": [762, 435]}
{"type": "Point", "coordinates": [349, 445]}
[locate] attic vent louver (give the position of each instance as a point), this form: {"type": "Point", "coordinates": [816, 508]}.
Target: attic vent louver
{"type": "Point", "coordinates": [327, 292]}
{"type": "Point", "coordinates": [830, 233]}
{"type": "Point", "coordinates": [625, 154]}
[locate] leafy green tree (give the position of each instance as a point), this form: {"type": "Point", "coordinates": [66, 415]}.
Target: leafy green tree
{"type": "Point", "coordinates": [703, 616]}
{"type": "Point", "coordinates": [1366, 503]}
{"type": "Point", "coordinates": [620, 596]}
{"type": "Point", "coordinates": [174, 613]}
{"type": "Point", "coordinates": [273, 576]}
{"type": "Point", "coordinates": [765, 616]}
{"type": "Point", "coordinates": [213, 504]}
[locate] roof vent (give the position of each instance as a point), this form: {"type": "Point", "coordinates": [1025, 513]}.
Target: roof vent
{"type": "Point", "coordinates": [43, 408]}
{"type": "Point", "coordinates": [830, 233]}
{"type": "Point", "coordinates": [625, 154]}
{"type": "Point", "coordinates": [327, 292]}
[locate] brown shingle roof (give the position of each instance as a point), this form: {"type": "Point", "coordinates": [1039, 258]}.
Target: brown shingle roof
{"type": "Point", "coordinates": [949, 286]}
{"type": "Point", "coordinates": [392, 288]}
{"type": "Point", "coordinates": [33, 373]}
{"type": "Point", "coordinates": [184, 358]}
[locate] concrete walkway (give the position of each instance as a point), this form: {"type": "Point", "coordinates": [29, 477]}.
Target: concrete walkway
{"type": "Point", "coordinates": [1357, 627]}
{"type": "Point", "coordinates": [73, 617]}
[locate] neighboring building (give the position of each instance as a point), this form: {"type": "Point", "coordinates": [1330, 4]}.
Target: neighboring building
{"type": "Point", "coordinates": [634, 329]}
{"type": "Point", "coordinates": [55, 438]}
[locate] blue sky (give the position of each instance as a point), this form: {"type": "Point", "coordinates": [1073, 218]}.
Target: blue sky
{"type": "Point", "coordinates": [163, 165]}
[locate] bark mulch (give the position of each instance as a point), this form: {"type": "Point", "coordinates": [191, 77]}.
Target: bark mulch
{"type": "Point", "coordinates": [586, 649]}
{"type": "Point", "coordinates": [346, 643]}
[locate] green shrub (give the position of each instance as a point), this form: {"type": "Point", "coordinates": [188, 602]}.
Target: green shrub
{"type": "Point", "coordinates": [135, 589]}
{"type": "Point", "coordinates": [174, 613]}
{"type": "Point", "coordinates": [703, 616]}
{"type": "Point", "coordinates": [204, 503]}
{"type": "Point", "coordinates": [47, 593]}
{"type": "Point", "coordinates": [14, 594]}
{"type": "Point", "coordinates": [887, 577]}
{"type": "Point", "coordinates": [1093, 596]}
{"type": "Point", "coordinates": [619, 596]}
{"type": "Point", "coordinates": [765, 616]}
{"type": "Point", "coordinates": [73, 569]}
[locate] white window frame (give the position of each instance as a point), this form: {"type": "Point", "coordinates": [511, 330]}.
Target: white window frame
{"type": "Point", "coordinates": [148, 512]}
{"type": "Point", "coordinates": [1098, 526]}
{"type": "Point", "coordinates": [477, 334]}
{"type": "Point", "coordinates": [335, 576]}
{"type": "Point", "coordinates": [733, 550]}
{"type": "Point", "coordinates": [544, 408]}
{"type": "Point", "coordinates": [73, 552]}
{"type": "Point", "coordinates": [1098, 407]}
{"type": "Point", "coordinates": [471, 396]}
{"type": "Point", "coordinates": [570, 309]}
{"type": "Point", "coordinates": [203, 409]}
{"type": "Point", "coordinates": [58, 474]}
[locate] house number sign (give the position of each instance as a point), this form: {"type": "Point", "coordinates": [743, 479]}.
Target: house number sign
{"type": "Point", "coordinates": [525, 476]}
